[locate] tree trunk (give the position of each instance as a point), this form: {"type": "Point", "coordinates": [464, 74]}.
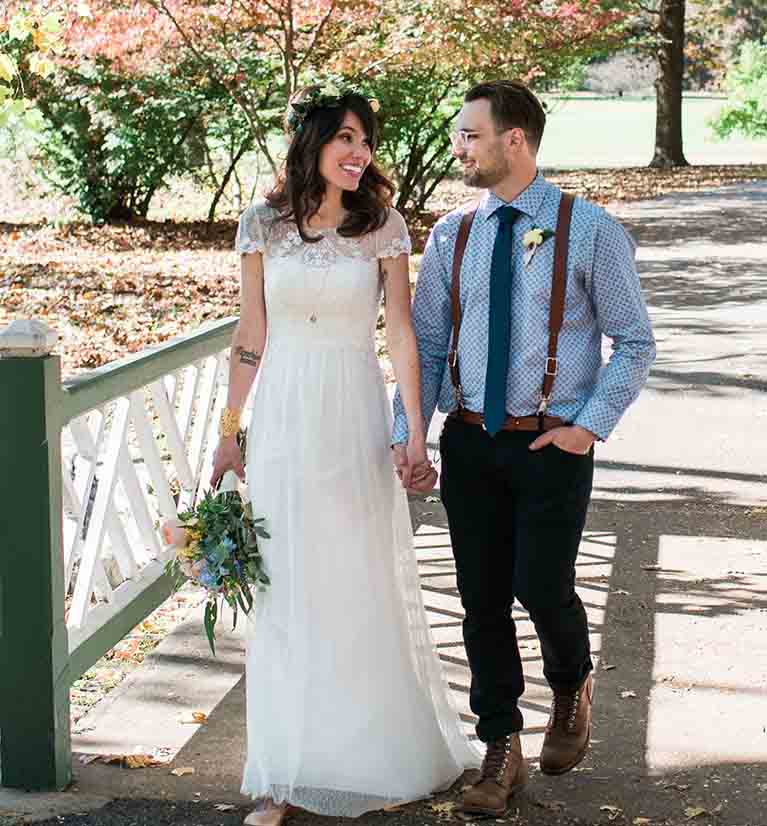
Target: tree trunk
{"type": "Point", "coordinates": [668, 86]}
{"type": "Point", "coordinates": [247, 143]}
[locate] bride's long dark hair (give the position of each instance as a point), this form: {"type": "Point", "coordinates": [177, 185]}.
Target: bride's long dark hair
{"type": "Point", "coordinates": [299, 190]}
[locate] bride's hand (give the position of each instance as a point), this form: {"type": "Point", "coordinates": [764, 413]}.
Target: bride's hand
{"type": "Point", "coordinates": [422, 477]}
{"type": "Point", "coordinates": [416, 453]}
{"type": "Point", "coordinates": [404, 454]}
{"type": "Point", "coordinates": [227, 457]}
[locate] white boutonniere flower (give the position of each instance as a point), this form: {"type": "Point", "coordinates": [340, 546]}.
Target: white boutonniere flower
{"type": "Point", "coordinates": [532, 239]}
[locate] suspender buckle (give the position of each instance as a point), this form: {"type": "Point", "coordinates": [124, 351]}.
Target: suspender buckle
{"type": "Point", "coordinates": [552, 364]}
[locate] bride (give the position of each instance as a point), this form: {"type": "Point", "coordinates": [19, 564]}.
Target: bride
{"type": "Point", "coordinates": [347, 708]}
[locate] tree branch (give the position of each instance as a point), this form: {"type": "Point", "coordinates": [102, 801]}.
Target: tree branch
{"type": "Point", "coordinates": [317, 34]}
{"type": "Point", "coordinates": [648, 9]}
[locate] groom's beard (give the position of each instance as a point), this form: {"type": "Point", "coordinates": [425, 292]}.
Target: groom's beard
{"type": "Point", "coordinates": [490, 173]}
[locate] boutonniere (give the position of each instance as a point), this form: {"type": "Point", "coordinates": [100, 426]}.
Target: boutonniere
{"type": "Point", "coordinates": [533, 238]}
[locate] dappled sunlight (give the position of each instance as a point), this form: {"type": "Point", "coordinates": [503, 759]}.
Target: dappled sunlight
{"type": "Point", "coordinates": [151, 711]}
{"type": "Point", "coordinates": [708, 703]}
{"type": "Point", "coordinates": [620, 482]}
{"type": "Point", "coordinates": [443, 606]}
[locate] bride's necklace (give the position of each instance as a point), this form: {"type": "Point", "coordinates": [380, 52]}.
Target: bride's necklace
{"type": "Point", "coordinates": [313, 316]}
{"type": "Point", "coordinates": [317, 254]}
{"type": "Point", "coordinates": [321, 259]}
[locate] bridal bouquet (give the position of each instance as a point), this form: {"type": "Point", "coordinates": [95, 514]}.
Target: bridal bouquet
{"type": "Point", "coordinates": [217, 548]}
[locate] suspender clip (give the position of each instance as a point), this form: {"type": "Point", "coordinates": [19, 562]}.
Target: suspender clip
{"type": "Point", "coordinates": [543, 406]}
{"type": "Point", "coordinates": [552, 365]}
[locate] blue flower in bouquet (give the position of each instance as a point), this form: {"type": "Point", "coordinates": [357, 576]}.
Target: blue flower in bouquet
{"type": "Point", "coordinates": [230, 545]}
{"type": "Point", "coordinates": [208, 578]}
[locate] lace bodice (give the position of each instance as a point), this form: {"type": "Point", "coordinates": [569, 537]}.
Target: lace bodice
{"type": "Point", "coordinates": [259, 231]}
{"type": "Point", "coordinates": [324, 294]}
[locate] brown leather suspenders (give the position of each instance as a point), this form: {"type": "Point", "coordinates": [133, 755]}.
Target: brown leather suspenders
{"type": "Point", "coordinates": [455, 299]}
{"type": "Point", "coordinates": [556, 308]}
{"type": "Point", "coordinates": [558, 291]}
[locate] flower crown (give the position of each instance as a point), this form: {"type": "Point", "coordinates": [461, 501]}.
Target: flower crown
{"type": "Point", "coordinates": [328, 94]}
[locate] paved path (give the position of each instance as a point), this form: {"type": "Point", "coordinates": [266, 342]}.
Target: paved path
{"type": "Point", "coordinates": [673, 571]}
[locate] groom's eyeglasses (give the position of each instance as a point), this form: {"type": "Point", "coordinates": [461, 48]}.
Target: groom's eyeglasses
{"type": "Point", "coordinates": [462, 138]}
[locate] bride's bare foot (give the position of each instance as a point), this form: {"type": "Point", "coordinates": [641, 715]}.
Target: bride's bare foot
{"type": "Point", "coordinates": [267, 813]}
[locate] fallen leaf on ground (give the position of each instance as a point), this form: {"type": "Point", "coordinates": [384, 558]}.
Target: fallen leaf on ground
{"type": "Point", "coordinates": [132, 761]}
{"type": "Point", "coordinates": [627, 694]}
{"type": "Point", "coordinates": [695, 811]}
{"type": "Point", "coordinates": [612, 811]}
{"type": "Point", "coordinates": [641, 821]}
{"type": "Point", "coordinates": [443, 808]}
{"type": "Point", "coordinates": [194, 718]}
{"type": "Point", "coordinates": [621, 593]}
{"type": "Point", "coordinates": [553, 805]}
{"type": "Point", "coordinates": [85, 759]}
{"type": "Point", "coordinates": [180, 772]}
{"type": "Point", "coordinates": [224, 807]}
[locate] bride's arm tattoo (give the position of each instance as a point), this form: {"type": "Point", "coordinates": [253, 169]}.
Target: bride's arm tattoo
{"type": "Point", "coordinates": [248, 356]}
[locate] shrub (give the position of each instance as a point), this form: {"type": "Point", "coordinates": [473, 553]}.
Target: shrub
{"type": "Point", "coordinates": [111, 140]}
{"type": "Point", "coordinates": [746, 83]}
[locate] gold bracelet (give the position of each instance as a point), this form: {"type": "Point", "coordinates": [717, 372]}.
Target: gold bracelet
{"type": "Point", "coordinates": [230, 422]}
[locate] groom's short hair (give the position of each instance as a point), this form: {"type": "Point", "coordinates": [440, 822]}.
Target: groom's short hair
{"type": "Point", "coordinates": [513, 106]}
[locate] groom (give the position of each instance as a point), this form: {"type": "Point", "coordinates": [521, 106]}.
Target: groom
{"type": "Point", "coordinates": [514, 295]}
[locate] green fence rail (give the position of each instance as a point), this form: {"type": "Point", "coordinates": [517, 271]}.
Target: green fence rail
{"type": "Point", "coordinates": [37, 666]}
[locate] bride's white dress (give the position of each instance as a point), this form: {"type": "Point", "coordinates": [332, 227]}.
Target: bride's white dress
{"type": "Point", "coordinates": [347, 707]}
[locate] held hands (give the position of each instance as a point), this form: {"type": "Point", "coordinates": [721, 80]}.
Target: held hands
{"type": "Point", "coordinates": [413, 466]}
{"type": "Point", "coordinates": [572, 439]}
{"type": "Point", "coordinates": [227, 457]}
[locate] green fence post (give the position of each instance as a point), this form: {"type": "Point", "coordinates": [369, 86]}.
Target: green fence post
{"type": "Point", "coordinates": [35, 748]}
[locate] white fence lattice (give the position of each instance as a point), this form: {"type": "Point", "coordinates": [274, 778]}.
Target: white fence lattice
{"type": "Point", "coordinates": [128, 465]}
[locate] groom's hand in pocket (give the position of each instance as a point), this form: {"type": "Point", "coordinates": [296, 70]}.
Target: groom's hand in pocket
{"type": "Point", "coordinates": [571, 439]}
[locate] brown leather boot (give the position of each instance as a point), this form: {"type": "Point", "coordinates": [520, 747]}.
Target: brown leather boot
{"type": "Point", "coordinates": [504, 771]}
{"type": "Point", "coordinates": [568, 730]}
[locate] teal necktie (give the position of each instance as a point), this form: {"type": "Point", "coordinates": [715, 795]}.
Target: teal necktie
{"type": "Point", "coordinates": [499, 336]}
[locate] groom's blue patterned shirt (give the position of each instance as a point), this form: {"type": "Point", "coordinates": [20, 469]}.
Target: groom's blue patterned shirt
{"type": "Point", "coordinates": [603, 298]}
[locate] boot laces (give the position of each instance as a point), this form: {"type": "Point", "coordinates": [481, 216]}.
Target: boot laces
{"type": "Point", "coordinates": [564, 710]}
{"type": "Point", "coordinates": [496, 759]}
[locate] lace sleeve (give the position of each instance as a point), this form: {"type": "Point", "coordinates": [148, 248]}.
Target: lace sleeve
{"type": "Point", "coordinates": [251, 236]}
{"type": "Point", "coordinates": [393, 238]}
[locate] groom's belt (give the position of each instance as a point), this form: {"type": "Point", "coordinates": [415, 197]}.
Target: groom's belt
{"type": "Point", "coordinates": [529, 423]}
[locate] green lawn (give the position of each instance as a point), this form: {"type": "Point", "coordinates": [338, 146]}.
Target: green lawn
{"type": "Point", "coordinates": [590, 132]}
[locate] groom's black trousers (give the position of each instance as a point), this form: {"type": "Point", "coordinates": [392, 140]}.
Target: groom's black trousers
{"type": "Point", "coordinates": [516, 518]}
